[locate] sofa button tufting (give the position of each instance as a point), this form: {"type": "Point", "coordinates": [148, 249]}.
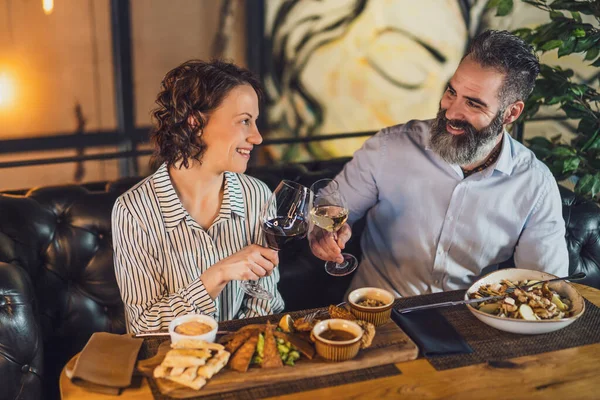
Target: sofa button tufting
{"type": "Point", "coordinates": [25, 368]}
{"type": "Point", "coordinates": [106, 309]}
{"type": "Point", "coordinates": [101, 236]}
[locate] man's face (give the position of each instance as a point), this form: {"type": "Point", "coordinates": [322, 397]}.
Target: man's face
{"type": "Point", "coordinates": [470, 118]}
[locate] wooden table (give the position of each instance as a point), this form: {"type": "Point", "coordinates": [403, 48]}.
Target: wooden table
{"type": "Point", "coordinates": [570, 373]}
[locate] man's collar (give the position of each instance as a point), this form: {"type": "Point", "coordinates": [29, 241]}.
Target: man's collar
{"type": "Point", "coordinates": [173, 211]}
{"type": "Point", "coordinates": [505, 159]}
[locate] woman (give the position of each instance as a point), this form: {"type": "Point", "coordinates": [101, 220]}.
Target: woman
{"type": "Point", "coordinates": [185, 236]}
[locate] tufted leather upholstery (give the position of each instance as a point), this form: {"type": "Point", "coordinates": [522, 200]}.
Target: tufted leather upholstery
{"type": "Point", "coordinates": [57, 284]}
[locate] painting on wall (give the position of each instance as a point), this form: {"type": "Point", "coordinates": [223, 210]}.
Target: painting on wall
{"type": "Point", "coordinates": [342, 66]}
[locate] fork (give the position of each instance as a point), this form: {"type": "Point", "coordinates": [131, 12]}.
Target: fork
{"type": "Point", "coordinates": [311, 317]}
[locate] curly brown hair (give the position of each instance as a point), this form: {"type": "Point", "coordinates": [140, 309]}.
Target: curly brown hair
{"type": "Point", "coordinates": [193, 89]}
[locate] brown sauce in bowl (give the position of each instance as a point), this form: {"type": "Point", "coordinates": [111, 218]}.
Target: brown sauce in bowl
{"type": "Point", "coordinates": [193, 328]}
{"type": "Point", "coordinates": [337, 335]}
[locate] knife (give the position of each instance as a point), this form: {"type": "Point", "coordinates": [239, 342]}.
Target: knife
{"type": "Point", "coordinates": [574, 277]}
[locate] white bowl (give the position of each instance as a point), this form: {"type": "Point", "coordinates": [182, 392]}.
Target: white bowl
{"type": "Point", "coordinates": [208, 337]}
{"type": "Point", "coordinates": [520, 325]}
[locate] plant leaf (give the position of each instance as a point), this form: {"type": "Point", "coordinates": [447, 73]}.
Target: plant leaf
{"type": "Point", "coordinates": [592, 53]}
{"type": "Point", "coordinates": [567, 47]}
{"type": "Point", "coordinates": [587, 125]}
{"type": "Point", "coordinates": [588, 185]}
{"type": "Point", "coordinates": [593, 142]}
{"type": "Point", "coordinates": [583, 7]}
{"type": "Point", "coordinates": [539, 141]}
{"type": "Point", "coordinates": [563, 151]}
{"type": "Point", "coordinates": [552, 44]}
{"type": "Point", "coordinates": [578, 32]}
{"type": "Point", "coordinates": [504, 8]}
{"type": "Point", "coordinates": [576, 16]}
{"type": "Point", "coordinates": [575, 110]}
{"type": "Point", "coordinates": [570, 164]}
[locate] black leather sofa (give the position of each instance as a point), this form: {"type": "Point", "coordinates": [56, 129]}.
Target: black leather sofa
{"type": "Point", "coordinates": [57, 283]}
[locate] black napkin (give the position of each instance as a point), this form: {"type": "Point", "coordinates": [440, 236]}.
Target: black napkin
{"type": "Point", "coordinates": [432, 332]}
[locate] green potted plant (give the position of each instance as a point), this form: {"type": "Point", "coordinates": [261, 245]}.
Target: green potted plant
{"type": "Point", "coordinates": [567, 33]}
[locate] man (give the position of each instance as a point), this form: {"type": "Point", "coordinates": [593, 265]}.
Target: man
{"type": "Point", "coordinates": [448, 200]}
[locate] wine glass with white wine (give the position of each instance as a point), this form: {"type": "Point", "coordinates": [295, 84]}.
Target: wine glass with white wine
{"type": "Point", "coordinates": [329, 211]}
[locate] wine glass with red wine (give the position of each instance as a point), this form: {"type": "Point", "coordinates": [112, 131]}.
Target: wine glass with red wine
{"type": "Point", "coordinates": [283, 219]}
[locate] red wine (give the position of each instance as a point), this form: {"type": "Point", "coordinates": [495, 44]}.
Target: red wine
{"type": "Point", "coordinates": [282, 230]}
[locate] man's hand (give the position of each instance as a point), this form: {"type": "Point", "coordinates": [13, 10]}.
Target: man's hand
{"type": "Point", "coordinates": [324, 245]}
{"type": "Point", "coordinates": [250, 263]}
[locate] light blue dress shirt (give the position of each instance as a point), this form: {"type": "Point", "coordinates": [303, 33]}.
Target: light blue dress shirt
{"type": "Point", "coordinates": [429, 229]}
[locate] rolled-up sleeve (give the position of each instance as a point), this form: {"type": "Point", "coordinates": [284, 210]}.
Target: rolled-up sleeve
{"type": "Point", "coordinates": [139, 270]}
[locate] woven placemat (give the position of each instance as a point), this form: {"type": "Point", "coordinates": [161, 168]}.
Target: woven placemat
{"type": "Point", "coordinates": [491, 345]}
{"type": "Point", "coordinates": [151, 344]}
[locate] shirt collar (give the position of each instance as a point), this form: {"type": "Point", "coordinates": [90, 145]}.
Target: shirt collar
{"type": "Point", "coordinates": [170, 206]}
{"type": "Point", "coordinates": [233, 201]}
{"type": "Point", "coordinates": [505, 162]}
{"type": "Point", "coordinates": [173, 211]}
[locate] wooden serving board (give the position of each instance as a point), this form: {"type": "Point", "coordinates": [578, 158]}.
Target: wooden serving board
{"type": "Point", "coordinates": [390, 345]}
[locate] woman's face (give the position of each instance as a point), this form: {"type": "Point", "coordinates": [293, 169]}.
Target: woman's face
{"type": "Point", "coordinates": [390, 67]}
{"type": "Point", "coordinates": [231, 132]}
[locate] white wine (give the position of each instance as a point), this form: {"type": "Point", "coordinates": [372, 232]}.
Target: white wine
{"type": "Point", "coordinates": [330, 218]}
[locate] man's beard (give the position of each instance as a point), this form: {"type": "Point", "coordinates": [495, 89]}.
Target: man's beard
{"type": "Point", "coordinates": [470, 147]}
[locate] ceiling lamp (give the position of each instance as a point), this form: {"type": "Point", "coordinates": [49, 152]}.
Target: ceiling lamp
{"type": "Point", "coordinates": [48, 6]}
{"type": "Point", "coordinates": [7, 90]}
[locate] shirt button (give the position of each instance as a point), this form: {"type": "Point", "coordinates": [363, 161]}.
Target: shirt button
{"type": "Point", "coordinates": [440, 252]}
{"type": "Point", "coordinates": [450, 217]}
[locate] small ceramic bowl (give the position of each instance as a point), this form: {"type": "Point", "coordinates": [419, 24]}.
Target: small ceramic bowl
{"type": "Point", "coordinates": [375, 315]}
{"type": "Point", "coordinates": [205, 319]}
{"type": "Point", "coordinates": [334, 350]}
{"type": "Point", "coordinates": [520, 325]}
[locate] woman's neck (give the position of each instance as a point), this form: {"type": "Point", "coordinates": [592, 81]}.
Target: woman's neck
{"type": "Point", "coordinates": [200, 191]}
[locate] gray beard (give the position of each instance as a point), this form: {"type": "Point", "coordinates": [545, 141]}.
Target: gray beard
{"type": "Point", "coordinates": [470, 147]}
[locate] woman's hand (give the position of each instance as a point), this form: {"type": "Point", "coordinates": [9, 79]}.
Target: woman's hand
{"type": "Point", "coordinates": [325, 246]}
{"type": "Point", "coordinates": [250, 263]}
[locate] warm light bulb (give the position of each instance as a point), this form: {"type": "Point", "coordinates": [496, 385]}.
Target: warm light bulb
{"type": "Point", "coordinates": [48, 6]}
{"type": "Point", "coordinates": [7, 90]}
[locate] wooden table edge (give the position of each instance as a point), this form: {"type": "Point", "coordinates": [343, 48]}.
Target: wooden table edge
{"type": "Point", "coordinates": [70, 391]}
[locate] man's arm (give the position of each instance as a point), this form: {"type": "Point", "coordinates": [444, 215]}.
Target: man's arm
{"type": "Point", "coordinates": [358, 179]}
{"type": "Point", "coordinates": [542, 245]}
{"type": "Point", "coordinates": [140, 276]}
{"type": "Point", "coordinates": [358, 185]}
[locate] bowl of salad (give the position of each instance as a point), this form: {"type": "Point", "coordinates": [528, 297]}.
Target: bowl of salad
{"type": "Point", "coordinates": [540, 308]}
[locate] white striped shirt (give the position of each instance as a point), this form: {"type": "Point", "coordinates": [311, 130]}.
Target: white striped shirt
{"type": "Point", "coordinates": [160, 251]}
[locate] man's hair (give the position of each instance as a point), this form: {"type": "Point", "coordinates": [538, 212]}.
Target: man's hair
{"type": "Point", "coordinates": [195, 88]}
{"type": "Point", "coordinates": [510, 55]}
